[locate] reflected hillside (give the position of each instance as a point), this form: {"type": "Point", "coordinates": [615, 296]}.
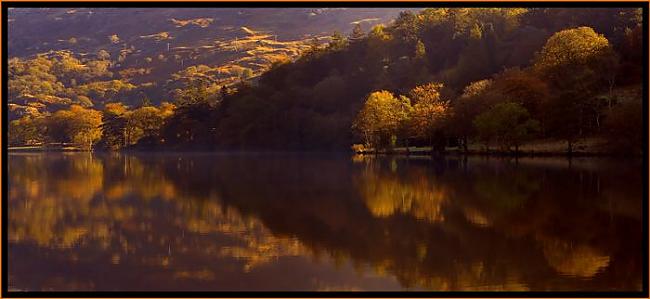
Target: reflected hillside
{"type": "Point", "coordinates": [123, 210]}
{"type": "Point", "coordinates": [210, 221]}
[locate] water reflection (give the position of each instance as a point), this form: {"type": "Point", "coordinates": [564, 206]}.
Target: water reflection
{"type": "Point", "coordinates": [281, 222]}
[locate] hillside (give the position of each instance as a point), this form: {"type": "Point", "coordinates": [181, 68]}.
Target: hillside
{"type": "Point", "coordinates": [150, 52]}
{"type": "Point", "coordinates": [255, 79]}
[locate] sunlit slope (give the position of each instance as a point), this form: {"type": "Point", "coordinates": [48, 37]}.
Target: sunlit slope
{"type": "Point", "coordinates": [157, 50]}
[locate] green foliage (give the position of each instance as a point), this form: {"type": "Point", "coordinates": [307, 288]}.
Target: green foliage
{"type": "Point", "coordinates": [624, 124]}
{"type": "Point", "coordinates": [509, 124]}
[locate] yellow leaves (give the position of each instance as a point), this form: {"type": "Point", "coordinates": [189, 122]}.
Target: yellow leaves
{"type": "Point", "coordinates": [576, 46]}
{"type": "Point", "coordinates": [383, 112]}
{"type": "Point", "coordinates": [80, 125]}
{"type": "Point", "coordinates": [427, 93]}
{"type": "Point", "coordinates": [378, 33]}
{"type": "Point", "coordinates": [427, 117]}
{"type": "Point", "coordinates": [430, 110]}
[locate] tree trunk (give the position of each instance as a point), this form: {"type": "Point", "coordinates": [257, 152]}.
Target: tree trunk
{"type": "Point", "coordinates": [408, 152]}
{"type": "Point", "coordinates": [612, 82]}
{"type": "Point", "coordinates": [465, 144]}
{"type": "Point", "coordinates": [569, 147]}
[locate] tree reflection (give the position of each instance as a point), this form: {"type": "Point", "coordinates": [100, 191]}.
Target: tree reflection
{"type": "Point", "coordinates": [127, 210]}
{"type": "Point", "coordinates": [522, 199]}
{"type": "Point", "coordinates": [442, 224]}
{"type": "Point", "coordinates": [387, 193]}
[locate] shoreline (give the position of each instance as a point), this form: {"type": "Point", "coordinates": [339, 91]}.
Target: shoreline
{"type": "Point", "coordinates": [497, 154]}
{"type": "Point", "coordinates": [415, 152]}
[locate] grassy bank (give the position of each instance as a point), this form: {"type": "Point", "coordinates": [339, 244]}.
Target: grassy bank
{"type": "Point", "coordinates": [586, 147]}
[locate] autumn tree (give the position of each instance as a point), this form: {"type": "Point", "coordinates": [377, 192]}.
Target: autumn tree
{"type": "Point", "coordinates": [145, 123]}
{"type": "Point", "coordinates": [78, 125]}
{"type": "Point", "coordinates": [473, 101]}
{"type": "Point", "coordinates": [571, 61]}
{"type": "Point", "coordinates": [381, 118]}
{"type": "Point", "coordinates": [430, 113]}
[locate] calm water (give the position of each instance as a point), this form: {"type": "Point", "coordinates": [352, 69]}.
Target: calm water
{"type": "Point", "coordinates": [280, 222]}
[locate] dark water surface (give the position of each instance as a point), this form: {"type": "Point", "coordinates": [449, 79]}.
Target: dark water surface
{"type": "Point", "coordinates": [311, 222]}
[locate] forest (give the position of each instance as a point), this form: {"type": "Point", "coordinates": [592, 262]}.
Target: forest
{"type": "Point", "coordinates": [468, 78]}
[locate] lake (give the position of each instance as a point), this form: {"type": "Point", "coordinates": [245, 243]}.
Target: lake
{"type": "Point", "coordinates": [171, 221]}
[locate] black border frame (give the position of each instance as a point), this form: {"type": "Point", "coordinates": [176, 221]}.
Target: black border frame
{"type": "Point", "coordinates": [5, 5]}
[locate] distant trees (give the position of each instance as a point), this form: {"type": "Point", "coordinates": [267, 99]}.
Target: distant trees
{"type": "Point", "coordinates": [195, 93]}
{"type": "Point", "coordinates": [28, 130]}
{"type": "Point", "coordinates": [124, 128]}
{"type": "Point", "coordinates": [114, 128]}
{"type": "Point", "coordinates": [76, 125]}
